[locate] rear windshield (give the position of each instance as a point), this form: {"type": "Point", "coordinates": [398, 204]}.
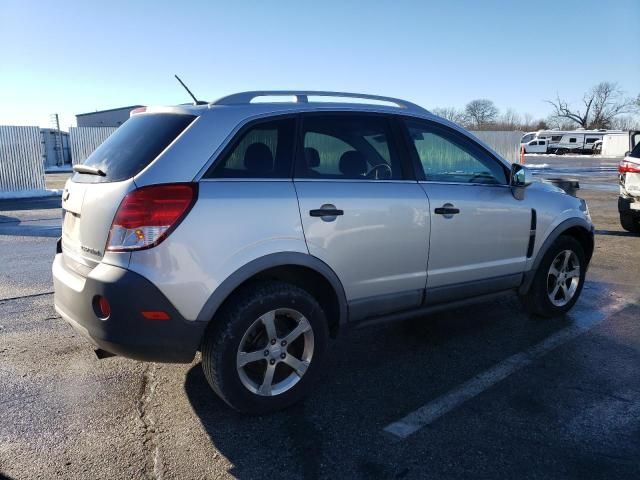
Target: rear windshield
{"type": "Point", "coordinates": [635, 152]}
{"type": "Point", "coordinates": [133, 146]}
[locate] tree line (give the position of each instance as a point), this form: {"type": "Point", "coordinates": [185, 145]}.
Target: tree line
{"type": "Point", "coordinates": [603, 106]}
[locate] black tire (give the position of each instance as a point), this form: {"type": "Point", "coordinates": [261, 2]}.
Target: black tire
{"type": "Point", "coordinates": [536, 300]}
{"type": "Point", "coordinates": [561, 151]}
{"type": "Point", "coordinates": [630, 222]}
{"type": "Point", "coordinates": [222, 340]}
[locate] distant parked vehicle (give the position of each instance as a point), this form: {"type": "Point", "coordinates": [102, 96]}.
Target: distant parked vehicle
{"type": "Point", "coordinates": [617, 144]}
{"type": "Point", "coordinates": [629, 199]}
{"type": "Point", "coordinates": [579, 141]}
{"type": "Point", "coordinates": [536, 146]}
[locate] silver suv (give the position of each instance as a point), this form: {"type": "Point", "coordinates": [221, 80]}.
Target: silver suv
{"type": "Point", "coordinates": [254, 231]}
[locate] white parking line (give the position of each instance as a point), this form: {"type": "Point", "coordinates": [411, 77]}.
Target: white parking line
{"type": "Point", "coordinates": [586, 317]}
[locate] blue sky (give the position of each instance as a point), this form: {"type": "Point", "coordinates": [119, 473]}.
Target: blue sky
{"type": "Point", "coordinates": [78, 56]}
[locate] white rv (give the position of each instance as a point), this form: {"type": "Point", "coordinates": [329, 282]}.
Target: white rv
{"type": "Point", "coordinates": [564, 141]}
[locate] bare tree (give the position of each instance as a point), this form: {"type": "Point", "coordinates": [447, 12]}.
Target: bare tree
{"type": "Point", "coordinates": [510, 120]}
{"type": "Point", "coordinates": [481, 113]}
{"type": "Point", "coordinates": [625, 122]}
{"type": "Point", "coordinates": [600, 106]}
{"type": "Point", "coordinates": [527, 121]}
{"type": "Point", "coordinates": [559, 123]}
{"type": "Point", "coordinates": [450, 113]}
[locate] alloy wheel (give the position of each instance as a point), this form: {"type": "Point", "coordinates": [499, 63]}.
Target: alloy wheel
{"type": "Point", "coordinates": [563, 278]}
{"type": "Point", "coordinates": [275, 352]}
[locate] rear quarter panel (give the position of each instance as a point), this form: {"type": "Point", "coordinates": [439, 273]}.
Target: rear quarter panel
{"type": "Point", "coordinates": [231, 224]}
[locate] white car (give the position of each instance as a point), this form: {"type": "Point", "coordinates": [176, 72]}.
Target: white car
{"type": "Point", "coordinates": [629, 200]}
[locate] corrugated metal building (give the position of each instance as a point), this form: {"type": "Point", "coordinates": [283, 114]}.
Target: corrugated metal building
{"type": "Point", "coordinates": [105, 118]}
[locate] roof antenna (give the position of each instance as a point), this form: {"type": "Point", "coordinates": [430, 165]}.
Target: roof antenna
{"type": "Point", "coordinates": [195, 100]}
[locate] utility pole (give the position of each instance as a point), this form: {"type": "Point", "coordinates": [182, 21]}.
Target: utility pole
{"type": "Point", "coordinates": [59, 145]}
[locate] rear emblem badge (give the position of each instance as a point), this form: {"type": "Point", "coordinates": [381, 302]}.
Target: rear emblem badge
{"type": "Point", "coordinates": [90, 250]}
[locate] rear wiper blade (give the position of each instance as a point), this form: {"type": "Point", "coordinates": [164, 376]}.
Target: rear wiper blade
{"type": "Point", "coordinates": [89, 170]}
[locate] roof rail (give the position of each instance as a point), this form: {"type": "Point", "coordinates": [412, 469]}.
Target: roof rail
{"type": "Point", "coordinates": [302, 96]}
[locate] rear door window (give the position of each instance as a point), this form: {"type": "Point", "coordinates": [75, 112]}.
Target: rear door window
{"type": "Point", "coordinates": [348, 147]}
{"type": "Point", "coordinates": [133, 146]}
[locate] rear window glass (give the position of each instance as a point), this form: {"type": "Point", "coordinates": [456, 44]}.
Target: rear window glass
{"type": "Point", "coordinates": [133, 146]}
{"type": "Point", "coordinates": [635, 152]}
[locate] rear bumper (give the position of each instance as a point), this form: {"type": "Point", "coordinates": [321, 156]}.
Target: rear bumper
{"type": "Point", "coordinates": [126, 332]}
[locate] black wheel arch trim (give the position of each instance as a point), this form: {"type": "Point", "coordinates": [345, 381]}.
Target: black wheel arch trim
{"type": "Point", "coordinates": [552, 237]}
{"type": "Point", "coordinates": [261, 264]}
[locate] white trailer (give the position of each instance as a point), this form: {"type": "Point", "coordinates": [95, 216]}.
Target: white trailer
{"type": "Point", "coordinates": [618, 144]}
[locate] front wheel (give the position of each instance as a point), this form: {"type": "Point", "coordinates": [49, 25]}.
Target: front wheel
{"type": "Point", "coordinates": [559, 279]}
{"type": "Point", "coordinates": [264, 349]}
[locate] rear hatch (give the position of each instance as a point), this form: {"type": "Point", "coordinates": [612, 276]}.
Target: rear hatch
{"type": "Point", "coordinates": [92, 196]}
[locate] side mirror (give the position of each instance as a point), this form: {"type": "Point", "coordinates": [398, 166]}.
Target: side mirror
{"type": "Point", "coordinates": [520, 176]}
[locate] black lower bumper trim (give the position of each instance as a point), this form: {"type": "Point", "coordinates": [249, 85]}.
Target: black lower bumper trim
{"type": "Point", "coordinates": [125, 332]}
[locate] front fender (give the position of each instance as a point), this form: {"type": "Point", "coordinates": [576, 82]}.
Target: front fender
{"type": "Point", "coordinates": [556, 231]}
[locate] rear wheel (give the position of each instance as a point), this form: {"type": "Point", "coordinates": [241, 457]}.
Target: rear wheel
{"type": "Point", "coordinates": [630, 222]}
{"type": "Point", "coordinates": [559, 279]}
{"type": "Point", "coordinates": [264, 350]}
{"type": "Point", "coordinates": [561, 151]}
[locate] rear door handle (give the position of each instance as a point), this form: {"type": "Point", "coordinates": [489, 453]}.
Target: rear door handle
{"type": "Point", "coordinates": [447, 210]}
{"type": "Point", "coordinates": [326, 212]}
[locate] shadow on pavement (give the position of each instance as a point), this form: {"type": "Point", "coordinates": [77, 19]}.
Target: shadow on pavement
{"type": "Point", "coordinates": [372, 377]}
{"type": "Point", "coordinates": [616, 233]}
{"type": "Point", "coordinates": [35, 203]}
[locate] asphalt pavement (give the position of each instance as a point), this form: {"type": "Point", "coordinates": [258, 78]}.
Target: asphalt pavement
{"type": "Point", "coordinates": [493, 392]}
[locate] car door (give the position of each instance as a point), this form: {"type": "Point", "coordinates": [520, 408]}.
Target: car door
{"type": "Point", "coordinates": [362, 212]}
{"type": "Point", "coordinates": [479, 231]}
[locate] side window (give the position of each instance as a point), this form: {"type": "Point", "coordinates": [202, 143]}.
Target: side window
{"type": "Point", "coordinates": [263, 151]}
{"type": "Point", "coordinates": [572, 140]}
{"type": "Point", "coordinates": [591, 140]}
{"type": "Point", "coordinates": [446, 156]}
{"type": "Point", "coordinates": [347, 147]}
{"type": "Point", "coordinates": [556, 138]}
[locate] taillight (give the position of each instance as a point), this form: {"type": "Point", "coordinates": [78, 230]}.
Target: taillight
{"type": "Point", "coordinates": [625, 166]}
{"type": "Point", "coordinates": [147, 215]}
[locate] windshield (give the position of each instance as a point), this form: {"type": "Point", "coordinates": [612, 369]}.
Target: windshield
{"type": "Point", "coordinates": [133, 146]}
{"type": "Point", "coordinates": [635, 153]}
